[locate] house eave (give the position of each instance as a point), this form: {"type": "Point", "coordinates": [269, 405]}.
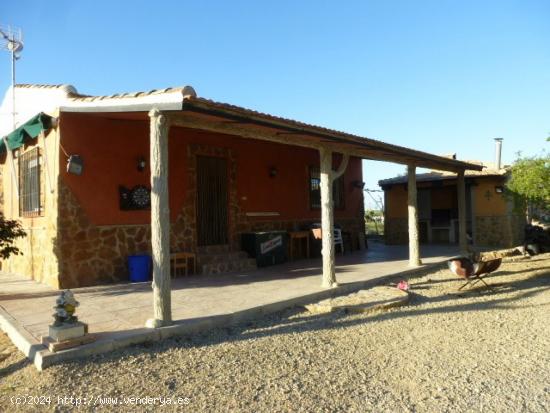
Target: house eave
{"type": "Point", "coordinates": [183, 101]}
{"type": "Point", "coordinates": [378, 150]}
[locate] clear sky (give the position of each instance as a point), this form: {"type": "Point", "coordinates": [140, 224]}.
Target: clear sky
{"type": "Point", "coordinates": [439, 76]}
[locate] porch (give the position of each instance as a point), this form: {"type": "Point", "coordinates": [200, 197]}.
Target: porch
{"type": "Point", "coordinates": [116, 314]}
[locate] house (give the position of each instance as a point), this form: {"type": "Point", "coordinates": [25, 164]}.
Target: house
{"type": "Point", "coordinates": [491, 219]}
{"type": "Point", "coordinates": [95, 179]}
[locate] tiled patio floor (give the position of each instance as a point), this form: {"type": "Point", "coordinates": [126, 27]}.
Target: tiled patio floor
{"type": "Point", "coordinates": [127, 306]}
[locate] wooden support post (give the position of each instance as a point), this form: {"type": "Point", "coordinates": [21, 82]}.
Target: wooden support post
{"type": "Point", "coordinates": [461, 189]}
{"type": "Point", "coordinates": [160, 220]}
{"type": "Point", "coordinates": [414, 244]}
{"type": "Point", "coordinates": [327, 219]}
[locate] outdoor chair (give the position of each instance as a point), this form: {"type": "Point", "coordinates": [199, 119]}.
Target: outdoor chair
{"type": "Point", "coordinates": [338, 240]}
{"type": "Point", "coordinates": [473, 272]}
{"type": "Point", "coordinates": [179, 263]}
{"type": "Point", "coordinates": [337, 237]}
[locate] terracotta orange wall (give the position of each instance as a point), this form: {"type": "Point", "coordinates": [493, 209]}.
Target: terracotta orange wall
{"type": "Point", "coordinates": [444, 197]}
{"type": "Point", "coordinates": [110, 150]}
{"type": "Point", "coordinates": [288, 192]}
{"type": "Point", "coordinates": [396, 204]}
{"type": "Point", "coordinates": [495, 205]}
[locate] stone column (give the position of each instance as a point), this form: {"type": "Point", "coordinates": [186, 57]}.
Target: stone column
{"type": "Point", "coordinates": [160, 220]}
{"type": "Point", "coordinates": [414, 244]}
{"type": "Point", "coordinates": [327, 219]}
{"type": "Point", "coordinates": [461, 189]}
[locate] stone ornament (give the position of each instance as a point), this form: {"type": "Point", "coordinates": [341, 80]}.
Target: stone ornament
{"type": "Point", "coordinates": [65, 307]}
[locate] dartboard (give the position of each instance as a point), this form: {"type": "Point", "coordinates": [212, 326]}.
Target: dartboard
{"type": "Point", "coordinates": [141, 197]}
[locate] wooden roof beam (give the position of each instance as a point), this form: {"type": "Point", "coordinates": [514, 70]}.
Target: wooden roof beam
{"type": "Point", "coordinates": [302, 139]}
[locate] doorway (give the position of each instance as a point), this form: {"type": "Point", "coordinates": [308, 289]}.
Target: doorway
{"type": "Point", "coordinates": [212, 200]}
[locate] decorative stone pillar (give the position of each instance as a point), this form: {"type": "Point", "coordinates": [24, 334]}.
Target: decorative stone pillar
{"type": "Point", "coordinates": [327, 219]}
{"type": "Point", "coordinates": [414, 244]}
{"type": "Point", "coordinates": [461, 192]}
{"type": "Point", "coordinates": [160, 220]}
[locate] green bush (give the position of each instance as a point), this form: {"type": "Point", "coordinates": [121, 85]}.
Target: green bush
{"type": "Point", "coordinates": [529, 182]}
{"type": "Point", "coordinates": [9, 231]}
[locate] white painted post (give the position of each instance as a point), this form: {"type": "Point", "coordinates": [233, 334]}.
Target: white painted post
{"type": "Point", "coordinates": [160, 221]}
{"type": "Point", "coordinates": [327, 219]}
{"type": "Point", "coordinates": [414, 244]}
{"type": "Point", "coordinates": [461, 189]}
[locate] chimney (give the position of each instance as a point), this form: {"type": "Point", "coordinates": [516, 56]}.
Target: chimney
{"type": "Point", "coordinates": [498, 152]}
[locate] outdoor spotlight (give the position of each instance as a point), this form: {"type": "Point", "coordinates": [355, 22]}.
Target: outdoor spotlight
{"type": "Point", "coordinates": [499, 189]}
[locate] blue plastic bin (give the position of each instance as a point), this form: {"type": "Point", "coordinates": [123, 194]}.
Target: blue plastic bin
{"type": "Point", "coordinates": [139, 267]}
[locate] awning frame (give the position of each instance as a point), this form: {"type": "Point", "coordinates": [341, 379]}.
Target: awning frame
{"type": "Point", "coordinates": [31, 129]}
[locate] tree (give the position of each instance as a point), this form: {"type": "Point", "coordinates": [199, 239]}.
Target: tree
{"type": "Point", "coordinates": [529, 182]}
{"type": "Point", "coordinates": [374, 217]}
{"type": "Point", "coordinates": [9, 231]}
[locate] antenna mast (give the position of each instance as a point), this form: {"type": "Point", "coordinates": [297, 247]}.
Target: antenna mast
{"type": "Point", "coordinates": [12, 41]}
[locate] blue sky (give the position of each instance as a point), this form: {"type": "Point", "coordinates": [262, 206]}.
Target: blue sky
{"type": "Point", "coordinates": [439, 76]}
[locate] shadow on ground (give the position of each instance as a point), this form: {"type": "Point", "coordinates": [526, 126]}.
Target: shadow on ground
{"type": "Point", "coordinates": [297, 320]}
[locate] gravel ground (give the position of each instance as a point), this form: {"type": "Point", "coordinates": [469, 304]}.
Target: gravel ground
{"type": "Point", "coordinates": [445, 352]}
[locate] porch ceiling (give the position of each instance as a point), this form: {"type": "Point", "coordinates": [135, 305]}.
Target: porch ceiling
{"type": "Point", "coordinates": [204, 114]}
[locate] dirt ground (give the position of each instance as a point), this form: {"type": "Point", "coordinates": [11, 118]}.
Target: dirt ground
{"type": "Point", "coordinates": [447, 351]}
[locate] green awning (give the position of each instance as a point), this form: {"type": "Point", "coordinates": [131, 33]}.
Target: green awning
{"type": "Point", "coordinates": [29, 130]}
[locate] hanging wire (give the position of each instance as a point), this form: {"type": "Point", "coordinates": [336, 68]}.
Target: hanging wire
{"type": "Point", "coordinates": [64, 151]}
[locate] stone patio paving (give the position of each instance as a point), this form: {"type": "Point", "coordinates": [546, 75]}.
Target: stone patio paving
{"type": "Point", "coordinates": [112, 309]}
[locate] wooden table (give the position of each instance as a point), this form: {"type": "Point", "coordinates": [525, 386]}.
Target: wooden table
{"type": "Point", "coordinates": [298, 236]}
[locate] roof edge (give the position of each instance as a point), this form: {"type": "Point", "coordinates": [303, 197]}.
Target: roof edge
{"type": "Point", "coordinates": [349, 138]}
{"type": "Point", "coordinates": [162, 99]}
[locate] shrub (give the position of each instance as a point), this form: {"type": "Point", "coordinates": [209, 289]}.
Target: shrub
{"type": "Point", "coordinates": [9, 231]}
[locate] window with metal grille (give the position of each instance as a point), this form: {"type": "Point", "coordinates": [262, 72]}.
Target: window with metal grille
{"type": "Point", "coordinates": [338, 194]}
{"type": "Point", "coordinates": [29, 184]}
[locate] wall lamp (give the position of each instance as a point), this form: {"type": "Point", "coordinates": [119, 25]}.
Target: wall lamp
{"type": "Point", "coordinates": [272, 171]}
{"type": "Point", "coordinates": [499, 189]}
{"type": "Point", "coordinates": [141, 164]}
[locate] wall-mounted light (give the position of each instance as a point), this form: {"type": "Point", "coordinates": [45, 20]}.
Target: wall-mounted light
{"type": "Point", "coordinates": [272, 171]}
{"type": "Point", "coordinates": [75, 165]}
{"type": "Point", "coordinates": [358, 184]}
{"type": "Point", "coordinates": [499, 189]}
{"type": "Point", "coordinates": [141, 164]}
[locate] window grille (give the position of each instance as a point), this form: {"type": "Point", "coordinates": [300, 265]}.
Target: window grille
{"type": "Point", "coordinates": [338, 193]}
{"type": "Point", "coordinates": [29, 184]}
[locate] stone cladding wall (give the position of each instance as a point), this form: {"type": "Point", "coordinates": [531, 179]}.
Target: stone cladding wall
{"type": "Point", "coordinates": [502, 231]}
{"type": "Point", "coordinates": [396, 231]}
{"type": "Point", "coordinates": [91, 254]}
{"type": "Point", "coordinates": [38, 259]}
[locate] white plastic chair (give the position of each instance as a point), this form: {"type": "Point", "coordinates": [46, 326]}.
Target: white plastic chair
{"type": "Point", "coordinates": [338, 240]}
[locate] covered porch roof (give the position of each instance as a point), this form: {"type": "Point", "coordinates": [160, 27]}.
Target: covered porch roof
{"type": "Point", "coordinates": [181, 107]}
{"type": "Point", "coordinates": [185, 109]}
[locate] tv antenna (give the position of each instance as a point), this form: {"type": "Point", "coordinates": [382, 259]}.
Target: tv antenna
{"type": "Point", "coordinates": [11, 39]}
